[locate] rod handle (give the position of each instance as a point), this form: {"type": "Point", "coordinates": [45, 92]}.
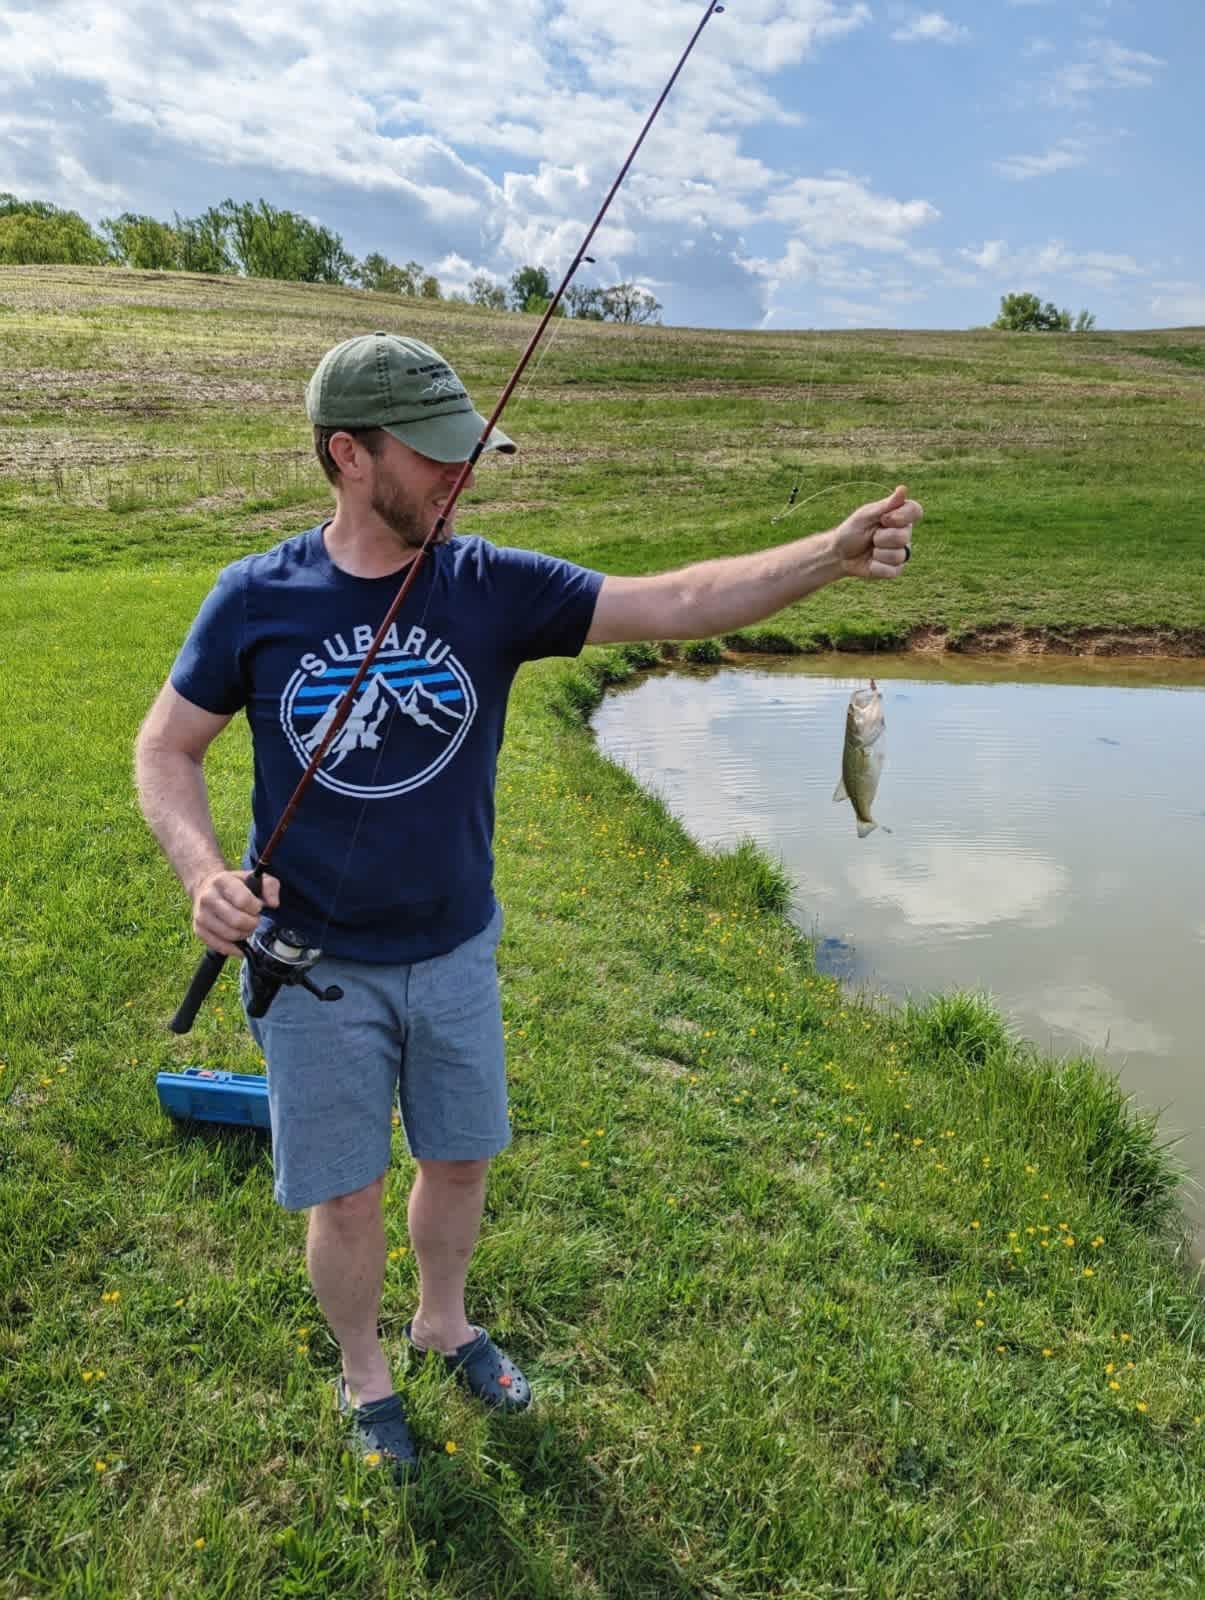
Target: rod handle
{"type": "Point", "coordinates": [203, 979]}
{"type": "Point", "coordinates": [208, 971]}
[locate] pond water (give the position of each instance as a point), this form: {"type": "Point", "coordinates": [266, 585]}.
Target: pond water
{"type": "Point", "coordinates": [1047, 839]}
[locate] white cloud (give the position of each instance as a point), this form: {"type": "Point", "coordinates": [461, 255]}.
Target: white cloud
{"type": "Point", "coordinates": [840, 209]}
{"type": "Point", "coordinates": [1065, 154]}
{"type": "Point", "coordinates": [1104, 66]}
{"type": "Point", "coordinates": [1182, 305]}
{"type": "Point", "coordinates": [1095, 268]}
{"type": "Point", "coordinates": [931, 27]}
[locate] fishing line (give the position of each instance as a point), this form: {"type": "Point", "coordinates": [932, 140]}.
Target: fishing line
{"type": "Point", "coordinates": [807, 406]}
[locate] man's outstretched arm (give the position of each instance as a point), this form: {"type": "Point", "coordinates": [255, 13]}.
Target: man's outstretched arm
{"type": "Point", "coordinates": [715, 597]}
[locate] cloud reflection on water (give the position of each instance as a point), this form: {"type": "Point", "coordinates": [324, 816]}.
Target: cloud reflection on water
{"type": "Point", "coordinates": [961, 887]}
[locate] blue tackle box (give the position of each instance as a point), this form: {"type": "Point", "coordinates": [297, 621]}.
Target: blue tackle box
{"type": "Point", "coordinates": [209, 1096]}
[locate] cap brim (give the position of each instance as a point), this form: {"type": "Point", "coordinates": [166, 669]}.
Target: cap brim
{"type": "Point", "coordinates": [452, 437]}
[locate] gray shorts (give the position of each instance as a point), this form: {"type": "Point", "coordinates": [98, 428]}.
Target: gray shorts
{"type": "Point", "coordinates": [428, 1035]}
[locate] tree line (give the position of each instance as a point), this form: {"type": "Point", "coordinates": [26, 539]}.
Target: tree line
{"type": "Point", "coordinates": [254, 239]}
{"type": "Point", "coordinates": [257, 240]}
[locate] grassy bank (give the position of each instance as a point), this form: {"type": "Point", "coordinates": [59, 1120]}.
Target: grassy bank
{"type": "Point", "coordinates": [816, 1300]}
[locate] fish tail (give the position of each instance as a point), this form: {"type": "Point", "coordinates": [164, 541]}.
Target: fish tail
{"type": "Point", "coordinates": [865, 827]}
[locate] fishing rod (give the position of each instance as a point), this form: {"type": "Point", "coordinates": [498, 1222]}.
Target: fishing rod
{"type": "Point", "coordinates": [277, 957]}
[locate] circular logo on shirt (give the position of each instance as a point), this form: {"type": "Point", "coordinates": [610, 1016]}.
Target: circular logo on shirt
{"type": "Point", "coordinates": [409, 717]}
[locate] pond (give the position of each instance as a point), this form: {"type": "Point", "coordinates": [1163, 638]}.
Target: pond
{"type": "Point", "coordinates": [1046, 844]}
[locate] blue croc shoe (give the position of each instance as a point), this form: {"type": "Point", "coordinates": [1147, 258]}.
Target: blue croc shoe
{"type": "Point", "coordinates": [484, 1370]}
{"type": "Point", "coordinates": [381, 1430]}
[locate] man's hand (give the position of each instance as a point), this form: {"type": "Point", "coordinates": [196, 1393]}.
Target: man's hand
{"type": "Point", "coordinates": [224, 910]}
{"type": "Point", "coordinates": [875, 541]}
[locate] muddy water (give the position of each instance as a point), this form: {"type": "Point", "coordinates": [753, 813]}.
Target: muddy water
{"type": "Point", "coordinates": [1047, 839]}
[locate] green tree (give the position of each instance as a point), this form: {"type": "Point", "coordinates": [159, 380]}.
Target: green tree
{"type": "Point", "coordinates": [324, 257]}
{"type": "Point", "coordinates": [266, 242]}
{"type": "Point", "coordinates": [584, 303]}
{"type": "Point", "coordinates": [530, 289]}
{"type": "Point", "coordinates": [9, 204]}
{"type": "Point", "coordinates": [383, 276]}
{"type": "Point", "coordinates": [42, 234]}
{"type": "Point", "coordinates": [202, 242]}
{"type": "Point", "coordinates": [625, 302]}
{"type": "Point", "coordinates": [1025, 313]}
{"type": "Point", "coordinates": [483, 291]}
{"type": "Point", "coordinates": [138, 241]}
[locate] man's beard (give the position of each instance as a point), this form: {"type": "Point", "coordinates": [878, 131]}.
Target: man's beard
{"type": "Point", "coordinates": [397, 510]}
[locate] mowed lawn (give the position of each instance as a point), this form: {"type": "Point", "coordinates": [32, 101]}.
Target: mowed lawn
{"type": "Point", "coordinates": [817, 1298]}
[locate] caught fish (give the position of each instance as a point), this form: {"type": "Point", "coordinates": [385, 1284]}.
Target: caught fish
{"type": "Point", "coordinates": [862, 757]}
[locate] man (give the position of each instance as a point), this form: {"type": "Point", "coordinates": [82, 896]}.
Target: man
{"type": "Point", "coordinates": [388, 865]}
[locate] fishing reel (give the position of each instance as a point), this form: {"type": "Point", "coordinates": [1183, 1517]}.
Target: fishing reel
{"type": "Point", "coordinates": [279, 958]}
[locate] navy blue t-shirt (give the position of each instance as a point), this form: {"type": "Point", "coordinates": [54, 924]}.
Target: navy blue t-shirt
{"type": "Point", "coordinates": [389, 856]}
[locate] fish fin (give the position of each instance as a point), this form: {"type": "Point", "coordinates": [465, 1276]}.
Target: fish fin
{"type": "Point", "coordinates": [841, 792]}
{"type": "Point", "coordinates": [865, 827]}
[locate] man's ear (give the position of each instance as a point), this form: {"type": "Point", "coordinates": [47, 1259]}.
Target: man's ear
{"type": "Point", "coordinates": [346, 454]}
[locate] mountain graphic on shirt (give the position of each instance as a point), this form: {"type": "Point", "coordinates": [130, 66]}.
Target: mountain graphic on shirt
{"type": "Point", "coordinates": [369, 712]}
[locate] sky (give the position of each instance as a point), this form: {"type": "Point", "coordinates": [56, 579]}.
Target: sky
{"type": "Point", "coordinates": [820, 163]}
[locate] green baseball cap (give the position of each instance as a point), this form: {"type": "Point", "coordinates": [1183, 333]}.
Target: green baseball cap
{"type": "Point", "coordinates": [382, 380]}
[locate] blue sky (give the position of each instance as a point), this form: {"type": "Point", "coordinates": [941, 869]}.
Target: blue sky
{"type": "Point", "coordinates": [821, 163]}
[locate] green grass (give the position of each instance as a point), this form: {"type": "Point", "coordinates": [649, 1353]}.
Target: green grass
{"type": "Point", "coordinates": [787, 1270]}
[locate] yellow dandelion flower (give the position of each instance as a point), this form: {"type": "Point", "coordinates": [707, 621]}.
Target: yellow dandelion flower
{"type": "Point", "coordinates": [87, 1377]}
{"type": "Point", "coordinates": [1089, 1272]}
{"type": "Point", "coordinates": [979, 1322]}
{"type": "Point", "coordinates": [372, 1458]}
{"type": "Point", "coordinates": [179, 1303]}
{"type": "Point", "coordinates": [696, 1448]}
{"type": "Point", "coordinates": [1124, 1337]}
{"type": "Point", "coordinates": [598, 1132]}
{"type": "Point", "coordinates": [451, 1447]}
{"type": "Point", "coordinates": [1142, 1406]}
{"type": "Point", "coordinates": [1000, 1349]}
{"type": "Point", "coordinates": [101, 1466]}
{"type": "Point", "coordinates": [198, 1544]}
{"type": "Point", "coordinates": [1047, 1352]}
{"type": "Point", "coordinates": [583, 1163]}
{"type": "Point", "coordinates": [974, 1224]}
{"type": "Point", "coordinates": [1110, 1367]}
{"type": "Point", "coordinates": [1113, 1384]}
